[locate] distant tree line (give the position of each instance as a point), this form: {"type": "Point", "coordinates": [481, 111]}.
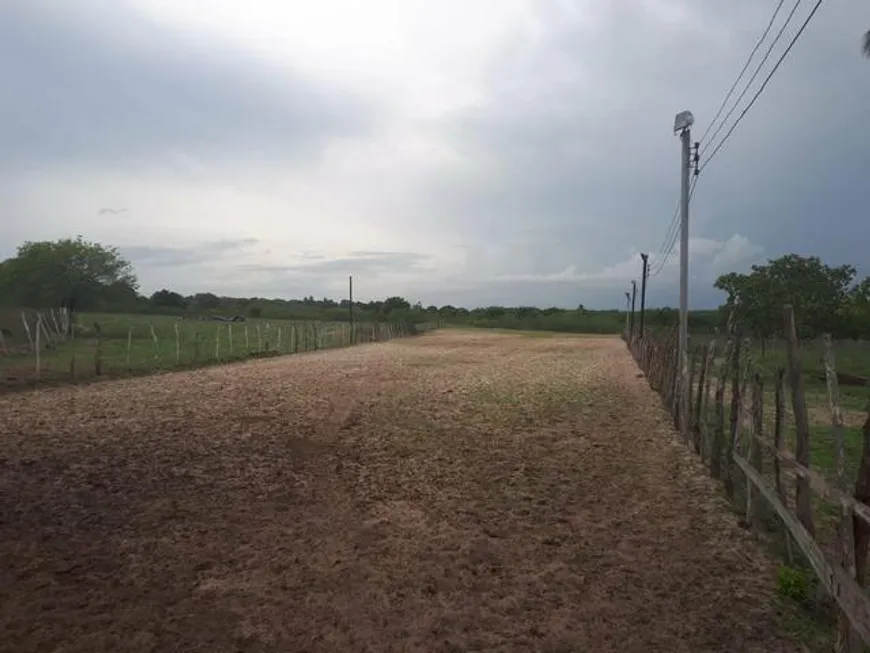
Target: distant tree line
{"type": "Point", "coordinates": [88, 276]}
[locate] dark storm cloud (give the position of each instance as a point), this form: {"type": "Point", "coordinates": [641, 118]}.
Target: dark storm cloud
{"type": "Point", "coordinates": [581, 163]}
{"type": "Point", "coordinates": [96, 83]}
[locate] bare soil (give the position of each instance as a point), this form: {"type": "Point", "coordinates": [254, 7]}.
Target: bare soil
{"type": "Point", "coordinates": [453, 492]}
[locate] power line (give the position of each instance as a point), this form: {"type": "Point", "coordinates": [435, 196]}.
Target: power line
{"type": "Point", "coordinates": [763, 84]}
{"type": "Point", "coordinates": [670, 234]}
{"type": "Point", "coordinates": [754, 74]}
{"type": "Point", "coordinates": [669, 248]}
{"type": "Point", "coordinates": [744, 69]}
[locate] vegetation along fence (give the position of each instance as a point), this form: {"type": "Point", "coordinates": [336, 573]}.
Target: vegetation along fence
{"type": "Point", "coordinates": [765, 429]}
{"type": "Point", "coordinates": [47, 346]}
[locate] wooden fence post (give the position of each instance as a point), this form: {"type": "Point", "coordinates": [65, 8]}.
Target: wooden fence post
{"type": "Point", "coordinates": [718, 443]}
{"type": "Point", "coordinates": [778, 415]}
{"type": "Point", "coordinates": [803, 498]}
{"type": "Point", "coordinates": [177, 344]}
{"type": "Point", "coordinates": [38, 347]}
{"type": "Point", "coordinates": [734, 423]}
{"type": "Point", "coordinates": [230, 337]}
{"type": "Point", "coordinates": [753, 499]}
{"type": "Point", "coordinates": [862, 494]}
{"type": "Point", "coordinates": [27, 330]}
{"type": "Point", "coordinates": [154, 340]}
{"type": "Point", "coordinates": [690, 424]}
{"type": "Point", "coordinates": [848, 640]}
{"type": "Point", "coordinates": [129, 347]}
{"type": "Point", "coordinates": [98, 354]}
{"type": "Point", "coordinates": [705, 403]}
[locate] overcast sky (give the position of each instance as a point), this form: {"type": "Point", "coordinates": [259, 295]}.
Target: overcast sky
{"type": "Point", "coordinates": [470, 152]}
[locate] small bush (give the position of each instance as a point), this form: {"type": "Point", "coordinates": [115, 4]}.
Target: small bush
{"type": "Point", "coordinates": [794, 584]}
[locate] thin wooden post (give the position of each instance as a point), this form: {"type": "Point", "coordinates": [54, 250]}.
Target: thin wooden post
{"type": "Point", "coordinates": [98, 354]}
{"type": "Point", "coordinates": [754, 499]}
{"type": "Point", "coordinates": [154, 342]}
{"type": "Point", "coordinates": [734, 428]}
{"type": "Point", "coordinates": [718, 444]}
{"type": "Point", "coordinates": [177, 344]}
{"type": "Point", "coordinates": [848, 640]}
{"type": "Point", "coordinates": [259, 339]}
{"type": "Point", "coordinates": [705, 401]}
{"type": "Point", "coordinates": [38, 347]}
{"type": "Point", "coordinates": [230, 337]}
{"type": "Point", "coordinates": [693, 414]}
{"type": "Point", "coordinates": [803, 498]}
{"type": "Point", "coordinates": [56, 325]}
{"type": "Point", "coordinates": [129, 345]}
{"type": "Point", "coordinates": [27, 330]}
{"type": "Point", "coordinates": [217, 343]}
{"type": "Point", "coordinates": [862, 494]}
{"type": "Point", "coordinates": [247, 342]}
{"type": "Point", "coordinates": [779, 412]}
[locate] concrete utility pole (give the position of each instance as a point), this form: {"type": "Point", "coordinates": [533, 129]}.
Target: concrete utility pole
{"type": "Point", "coordinates": [645, 259]}
{"type": "Point", "coordinates": [633, 297]}
{"type": "Point", "coordinates": [683, 124]}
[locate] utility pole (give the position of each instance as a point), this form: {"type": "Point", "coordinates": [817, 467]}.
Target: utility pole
{"type": "Point", "coordinates": [645, 259]}
{"type": "Point", "coordinates": [350, 309]}
{"type": "Point", "coordinates": [627, 313]}
{"type": "Point", "coordinates": [633, 297]}
{"type": "Point", "coordinates": [683, 124]}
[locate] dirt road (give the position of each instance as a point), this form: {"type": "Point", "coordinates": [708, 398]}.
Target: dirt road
{"type": "Point", "coordinates": [460, 491]}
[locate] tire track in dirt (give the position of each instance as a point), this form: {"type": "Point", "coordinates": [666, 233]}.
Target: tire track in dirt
{"type": "Point", "coordinates": [457, 491]}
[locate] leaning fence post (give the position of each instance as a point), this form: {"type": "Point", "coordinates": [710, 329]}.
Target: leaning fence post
{"type": "Point", "coordinates": [803, 498]}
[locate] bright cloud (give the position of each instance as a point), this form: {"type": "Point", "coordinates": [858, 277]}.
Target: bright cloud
{"type": "Point", "coordinates": [502, 151]}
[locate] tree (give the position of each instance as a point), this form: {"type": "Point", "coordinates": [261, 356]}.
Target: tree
{"type": "Point", "coordinates": [855, 312]}
{"type": "Point", "coordinates": [168, 299]}
{"type": "Point", "coordinates": [206, 300]}
{"type": "Point", "coordinates": [69, 272]}
{"type": "Point", "coordinates": [817, 292]}
{"type": "Point", "coordinates": [395, 304]}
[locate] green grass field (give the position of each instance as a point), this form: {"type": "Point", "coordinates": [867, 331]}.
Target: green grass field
{"type": "Point", "coordinates": [117, 345]}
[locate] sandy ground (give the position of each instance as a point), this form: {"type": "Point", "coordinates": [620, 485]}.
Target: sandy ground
{"type": "Point", "coordinates": [459, 491]}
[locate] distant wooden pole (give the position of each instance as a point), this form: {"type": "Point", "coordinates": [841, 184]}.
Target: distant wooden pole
{"type": "Point", "coordinates": [350, 308]}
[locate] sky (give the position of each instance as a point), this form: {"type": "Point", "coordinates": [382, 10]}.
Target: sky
{"type": "Point", "coordinates": [514, 152]}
